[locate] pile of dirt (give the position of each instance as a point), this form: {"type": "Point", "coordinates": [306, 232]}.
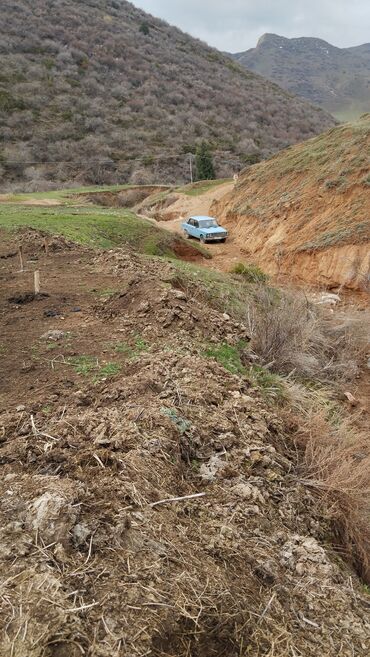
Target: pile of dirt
{"type": "Point", "coordinates": [305, 212]}
{"type": "Point", "coordinates": [96, 555]}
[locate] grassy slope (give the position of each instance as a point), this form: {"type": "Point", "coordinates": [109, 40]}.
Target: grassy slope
{"type": "Point", "coordinates": [323, 182]}
{"type": "Point", "coordinates": [96, 227]}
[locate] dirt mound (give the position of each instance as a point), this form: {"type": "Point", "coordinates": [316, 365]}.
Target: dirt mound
{"type": "Point", "coordinates": [305, 212]}
{"type": "Point", "coordinates": [126, 198]}
{"type": "Point", "coordinates": [97, 557]}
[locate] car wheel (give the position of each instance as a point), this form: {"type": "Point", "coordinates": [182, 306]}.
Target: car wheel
{"type": "Point", "coordinates": [202, 239]}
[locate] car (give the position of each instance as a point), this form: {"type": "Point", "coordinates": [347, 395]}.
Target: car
{"type": "Point", "coordinates": [205, 229]}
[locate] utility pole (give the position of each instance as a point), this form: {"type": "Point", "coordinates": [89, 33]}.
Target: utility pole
{"type": "Point", "coordinates": [191, 166]}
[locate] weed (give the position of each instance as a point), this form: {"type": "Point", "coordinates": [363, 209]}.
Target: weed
{"type": "Point", "coordinates": [335, 462]}
{"type": "Point", "coordinates": [107, 370]}
{"type": "Point", "coordinates": [296, 338]}
{"type": "Point", "coordinates": [250, 273]}
{"type": "Point", "coordinates": [106, 294]}
{"type": "Point", "coordinates": [84, 365]}
{"type": "Point", "coordinates": [131, 351]}
{"type": "Point", "coordinates": [268, 382]}
{"type": "Point", "coordinates": [90, 366]}
{"type": "Point", "coordinates": [182, 424]}
{"type": "Point", "coordinates": [228, 356]}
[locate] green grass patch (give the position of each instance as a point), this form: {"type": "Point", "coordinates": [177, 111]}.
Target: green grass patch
{"type": "Point", "coordinates": [268, 382]}
{"type": "Point", "coordinates": [65, 195]}
{"type": "Point", "coordinates": [95, 227]}
{"type": "Point", "coordinates": [89, 366]}
{"type": "Point", "coordinates": [221, 291]}
{"type": "Point", "coordinates": [129, 350]}
{"type": "Point", "coordinates": [201, 187]}
{"type": "Point", "coordinates": [228, 356]}
{"type": "Point", "coordinates": [250, 273]}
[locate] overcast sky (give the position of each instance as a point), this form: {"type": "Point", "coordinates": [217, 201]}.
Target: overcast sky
{"type": "Point", "coordinates": [236, 25]}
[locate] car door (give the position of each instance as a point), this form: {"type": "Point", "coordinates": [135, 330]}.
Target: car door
{"type": "Point", "coordinates": [195, 227]}
{"type": "Point", "coordinates": [188, 227]}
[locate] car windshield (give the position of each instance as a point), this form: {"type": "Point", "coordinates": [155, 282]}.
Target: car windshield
{"type": "Point", "coordinates": [208, 223]}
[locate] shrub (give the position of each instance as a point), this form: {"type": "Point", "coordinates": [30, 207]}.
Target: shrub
{"type": "Point", "coordinates": [292, 336]}
{"type": "Point", "coordinates": [251, 273]}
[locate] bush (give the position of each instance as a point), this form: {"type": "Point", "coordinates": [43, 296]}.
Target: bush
{"type": "Point", "coordinates": [292, 336]}
{"type": "Point", "coordinates": [251, 273]}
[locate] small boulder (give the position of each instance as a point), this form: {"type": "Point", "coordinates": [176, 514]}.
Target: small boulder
{"type": "Point", "coordinates": [54, 335]}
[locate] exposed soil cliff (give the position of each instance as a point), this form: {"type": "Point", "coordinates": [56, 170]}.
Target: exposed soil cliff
{"type": "Point", "coordinates": [306, 211]}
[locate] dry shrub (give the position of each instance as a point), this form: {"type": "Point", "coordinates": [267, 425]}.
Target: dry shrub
{"type": "Point", "coordinates": [336, 462]}
{"type": "Point", "coordinates": [292, 336]}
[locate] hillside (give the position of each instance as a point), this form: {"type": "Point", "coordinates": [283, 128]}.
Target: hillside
{"type": "Point", "coordinates": [337, 79]}
{"type": "Point", "coordinates": [306, 211]}
{"type": "Point", "coordinates": [101, 92]}
{"type": "Point", "coordinates": [162, 493]}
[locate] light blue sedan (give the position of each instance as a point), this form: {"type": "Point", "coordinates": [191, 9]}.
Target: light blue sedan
{"type": "Point", "coordinates": [205, 229]}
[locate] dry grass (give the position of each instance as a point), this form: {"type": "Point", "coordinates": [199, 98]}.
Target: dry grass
{"type": "Point", "coordinates": [336, 462]}
{"type": "Point", "coordinates": [294, 337]}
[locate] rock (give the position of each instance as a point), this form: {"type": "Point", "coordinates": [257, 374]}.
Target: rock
{"type": "Point", "coordinates": [179, 294]}
{"type": "Point", "coordinates": [144, 307]}
{"type": "Point", "coordinates": [226, 317]}
{"type": "Point", "coordinates": [51, 313]}
{"type": "Point", "coordinates": [53, 334]}
{"type": "Point", "coordinates": [209, 470]}
{"type": "Point", "coordinates": [20, 408]}
{"type": "Point", "coordinates": [352, 400]}
{"type": "Point", "coordinates": [329, 298]}
{"type": "Point", "coordinates": [80, 533]}
{"type": "Point", "coordinates": [368, 363]}
{"type": "Point", "coordinates": [52, 516]}
{"type": "Point", "coordinates": [248, 492]}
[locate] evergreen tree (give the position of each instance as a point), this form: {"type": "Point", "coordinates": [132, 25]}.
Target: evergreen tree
{"type": "Point", "coordinates": [204, 162]}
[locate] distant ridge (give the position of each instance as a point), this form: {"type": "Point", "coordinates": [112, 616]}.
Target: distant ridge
{"type": "Point", "coordinates": [337, 79]}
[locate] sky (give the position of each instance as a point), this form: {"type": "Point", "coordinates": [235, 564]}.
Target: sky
{"type": "Point", "coordinates": [236, 25]}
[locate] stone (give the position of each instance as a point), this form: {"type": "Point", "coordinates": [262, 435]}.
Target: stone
{"type": "Point", "coordinates": [179, 294]}
{"type": "Point", "coordinates": [53, 334]}
{"type": "Point", "coordinates": [20, 408]}
{"type": "Point", "coordinates": [52, 516]}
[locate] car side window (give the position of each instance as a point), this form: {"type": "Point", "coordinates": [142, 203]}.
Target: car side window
{"type": "Point", "coordinates": [190, 222]}
{"type": "Point", "coordinates": [195, 223]}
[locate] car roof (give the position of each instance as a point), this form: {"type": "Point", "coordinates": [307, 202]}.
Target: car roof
{"type": "Point", "coordinates": [195, 216]}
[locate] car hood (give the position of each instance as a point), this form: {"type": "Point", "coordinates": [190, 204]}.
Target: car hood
{"type": "Point", "coordinates": [214, 229]}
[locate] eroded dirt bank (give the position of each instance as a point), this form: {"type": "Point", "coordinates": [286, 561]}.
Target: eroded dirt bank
{"type": "Point", "coordinates": [306, 211]}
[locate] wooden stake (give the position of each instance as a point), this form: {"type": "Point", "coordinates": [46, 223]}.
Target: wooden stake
{"type": "Point", "coordinates": [37, 282]}
{"type": "Point", "coordinates": [20, 252]}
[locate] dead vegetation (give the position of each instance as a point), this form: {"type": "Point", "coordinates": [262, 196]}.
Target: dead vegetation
{"type": "Point", "coordinates": [336, 463]}
{"type": "Point", "coordinates": [293, 337]}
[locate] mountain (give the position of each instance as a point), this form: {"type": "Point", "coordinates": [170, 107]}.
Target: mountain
{"type": "Point", "coordinates": [101, 92]}
{"type": "Point", "coordinates": [306, 211]}
{"type": "Point", "coordinates": [337, 79]}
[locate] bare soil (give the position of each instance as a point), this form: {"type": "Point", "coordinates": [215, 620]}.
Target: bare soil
{"type": "Point", "coordinates": [93, 560]}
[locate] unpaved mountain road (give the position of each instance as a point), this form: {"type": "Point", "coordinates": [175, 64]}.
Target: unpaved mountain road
{"type": "Point", "coordinates": [224, 256]}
